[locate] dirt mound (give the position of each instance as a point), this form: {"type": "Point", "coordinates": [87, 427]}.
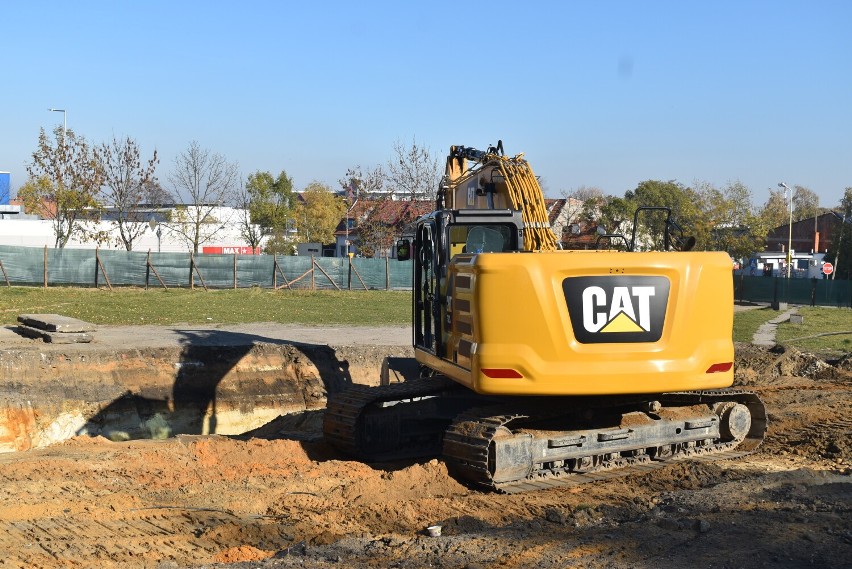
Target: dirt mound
{"type": "Point", "coordinates": [756, 364]}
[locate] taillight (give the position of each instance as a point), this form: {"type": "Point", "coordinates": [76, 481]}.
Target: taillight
{"type": "Point", "coordinates": [720, 367]}
{"type": "Point", "coordinates": [501, 373]}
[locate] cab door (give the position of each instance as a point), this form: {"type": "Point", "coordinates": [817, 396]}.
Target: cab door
{"type": "Point", "coordinates": [426, 317]}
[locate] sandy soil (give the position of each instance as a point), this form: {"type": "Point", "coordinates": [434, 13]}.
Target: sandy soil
{"type": "Point", "coordinates": [281, 498]}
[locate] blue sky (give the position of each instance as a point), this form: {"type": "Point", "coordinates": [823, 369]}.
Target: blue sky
{"type": "Point", "coordinates": [604, 94]}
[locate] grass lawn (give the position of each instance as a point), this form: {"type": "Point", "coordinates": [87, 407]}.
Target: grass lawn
{"type": "Point", "coordinates": [824, 330]}
{"type": "Point", "coordinates": [747, 322]}
{"type": "Point", "coordinates": [806, 336]}
{"type": "Point", "coordinates": [184, 306]}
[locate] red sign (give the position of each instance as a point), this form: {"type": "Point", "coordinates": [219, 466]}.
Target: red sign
{"type": "Point", "coordinates": [236, 250]}
{"type": "Point", "coordinates": [827, 268]}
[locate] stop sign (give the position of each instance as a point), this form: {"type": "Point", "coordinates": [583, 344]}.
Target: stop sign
{"type": "Point", "coordinates": [827, 268]}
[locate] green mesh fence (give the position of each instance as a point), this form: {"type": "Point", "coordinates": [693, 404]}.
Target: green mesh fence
{"type": "Point", "coordinates": [91, 267]}
{"type": "Point", "coordinates": [822, 292]}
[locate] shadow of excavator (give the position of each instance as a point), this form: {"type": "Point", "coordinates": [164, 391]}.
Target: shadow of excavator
{"type": "Point", "coordinates": [198, 398]}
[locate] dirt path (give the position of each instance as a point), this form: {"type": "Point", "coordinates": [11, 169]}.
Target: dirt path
{"type": "Point", "coordinates": [281, 498]}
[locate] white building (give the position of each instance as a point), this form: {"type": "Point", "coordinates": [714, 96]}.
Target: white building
{"type": "Point", "coordinates": [34, 232]}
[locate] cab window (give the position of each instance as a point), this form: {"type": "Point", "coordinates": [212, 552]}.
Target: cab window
{"type": "Point", "coordinates": [481, 238]}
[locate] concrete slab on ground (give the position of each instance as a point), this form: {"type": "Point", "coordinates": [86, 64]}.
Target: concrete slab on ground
{"type": "Point", "coordinates": [56, 323]}
{"type": "Point", "coordinates": [55, 337]}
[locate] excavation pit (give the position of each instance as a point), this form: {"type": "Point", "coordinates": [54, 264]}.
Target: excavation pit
{"type": "Point", "coordinates": [149, 382]}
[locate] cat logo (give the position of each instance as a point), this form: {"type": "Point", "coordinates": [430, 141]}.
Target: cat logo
{"type": "Point", "coordinates": [610, 309]}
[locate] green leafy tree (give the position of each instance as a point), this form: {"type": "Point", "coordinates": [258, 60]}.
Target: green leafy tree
{"type": "Point", "coordinates": [655, 193]}
{"type": "Point", "coordinates": [319, 214]}
{"type": "Point", "coordinates": [775, 211]}
{"type": "Point", "coordinates": [615, 217]}
{"type": "Point", "coordinates": [64, 179]}
{"type": "Point", "coordinates": [805, 203]}
{"type": "Point", "coordinates": [727, 221]}
{"type": "Point", "coordinates": [128, 183]}
{"type": "Point", "coordinates": [269, 204]}
{"type": "Point", "coordinates": [207, 181]}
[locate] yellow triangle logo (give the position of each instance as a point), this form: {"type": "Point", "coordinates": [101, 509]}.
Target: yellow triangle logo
{"type": "Point", "coordinates": [622, 323]}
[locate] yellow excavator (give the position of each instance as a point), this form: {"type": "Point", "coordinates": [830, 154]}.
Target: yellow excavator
{"type": "Point", "coordinates": [542, 367]}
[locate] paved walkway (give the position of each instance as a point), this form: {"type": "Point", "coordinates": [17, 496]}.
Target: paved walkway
{"type": "Point", "coordinates": [127, 337]}
{"type": "Point", "coordinates": [765, 335]}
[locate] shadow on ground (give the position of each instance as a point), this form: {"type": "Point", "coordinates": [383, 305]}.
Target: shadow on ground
{"type": "Point", "coordinates": [221, 376]}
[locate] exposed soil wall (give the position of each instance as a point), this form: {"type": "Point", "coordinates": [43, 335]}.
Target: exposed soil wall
{"type": "Point", "coordinates": [49, 394]}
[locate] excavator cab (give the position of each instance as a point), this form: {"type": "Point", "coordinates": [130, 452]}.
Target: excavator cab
{"type": "Point", "coordinates": [440, 240]}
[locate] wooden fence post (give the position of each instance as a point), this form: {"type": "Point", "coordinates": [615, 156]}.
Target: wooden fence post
{"type": "Point", "coordinates": [99, 265]}
{"type": "Point", "coordinates": [276, 269]}
{"type": "Point", "coordinates": [331, 280]}
{"type": "Point", "coordinates": [5, 276]}
{"type": "Point", "coordinates": [357, 274]}
{"type": "Point", "coordinates": [194, 267]}
{"type": "Point", "coordinates": [150, 267]}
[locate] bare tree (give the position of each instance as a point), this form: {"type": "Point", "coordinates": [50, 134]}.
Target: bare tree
{"type": "Point", "coordinates": [127, 184]}
{"type": "Point", "coordinates": [207, 181]}
{"type": "Point", "coordinates": [251, 232]}
{"type": "Point", "coordinates": [581, 203]}
{"type": "Point", "coordinates": [63, 183]}
{"type": "Point", "coordinates": [412, 173]}
{"type": "Point", "coordinates": [155, 194]}
{"type": "Point", "coordinates": [363, 184]}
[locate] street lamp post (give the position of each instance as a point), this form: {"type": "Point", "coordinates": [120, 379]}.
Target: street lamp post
{"type": "Point", "coordinates": [64, 120]}
{"type": "Point", "coordinates": [155, 227]}
{"type": "Point", "coordinates": [348, 211]}
{"type": "Point", "coordinates": [790, 237]}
